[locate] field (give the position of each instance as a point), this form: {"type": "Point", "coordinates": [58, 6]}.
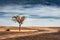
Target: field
{"type": "Point", "coordinates": [29, 33]}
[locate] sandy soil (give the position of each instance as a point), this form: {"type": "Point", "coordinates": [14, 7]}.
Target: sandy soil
{"type": "Point", "coordinates": [29, 34]}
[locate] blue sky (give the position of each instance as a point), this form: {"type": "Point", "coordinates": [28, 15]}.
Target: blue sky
{"type": "Point", "coordinates": [39, 15]}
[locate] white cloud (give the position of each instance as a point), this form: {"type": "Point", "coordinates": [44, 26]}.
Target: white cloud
{"type": "Point", "coordinates": [30, 22]}
{"type": "Point", "coordinates": [38, 10]}
{"type": "Point", "coordinates": [42, 11]}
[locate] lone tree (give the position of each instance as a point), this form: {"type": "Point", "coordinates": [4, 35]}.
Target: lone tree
{"type": "Point", "coordinates": [19, 20]}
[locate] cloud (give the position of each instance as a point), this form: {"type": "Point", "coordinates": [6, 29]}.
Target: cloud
{"type": "Point", "coordinates": [36, 16]}
{"type": "Point", "coordinates": [38, 10]}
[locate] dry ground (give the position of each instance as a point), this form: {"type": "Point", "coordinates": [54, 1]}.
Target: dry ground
{"type": "Point", "coordinates": [30, 33]}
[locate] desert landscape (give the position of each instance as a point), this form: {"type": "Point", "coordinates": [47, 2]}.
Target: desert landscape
{"type": "Point", "coordinates": [29, 19]}
{"type": "Point", "coordinates": [29, 33]}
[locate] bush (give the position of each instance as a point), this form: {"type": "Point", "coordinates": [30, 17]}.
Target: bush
{"type": "Point", "coordinates": [7, 29]}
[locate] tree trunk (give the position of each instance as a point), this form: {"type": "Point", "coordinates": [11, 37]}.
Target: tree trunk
{"type": "Point", "coordinates": [19, 27]}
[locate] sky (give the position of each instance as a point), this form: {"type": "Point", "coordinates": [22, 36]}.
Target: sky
{"type": "Point", "coordinates": [47, 14]}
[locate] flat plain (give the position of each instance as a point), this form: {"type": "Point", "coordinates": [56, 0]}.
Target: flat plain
{"type": "Point", "coordinates": [29, 33]}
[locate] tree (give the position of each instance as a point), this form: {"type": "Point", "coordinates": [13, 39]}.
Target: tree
{"type": "Point", "coordinates": [19, 20]}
